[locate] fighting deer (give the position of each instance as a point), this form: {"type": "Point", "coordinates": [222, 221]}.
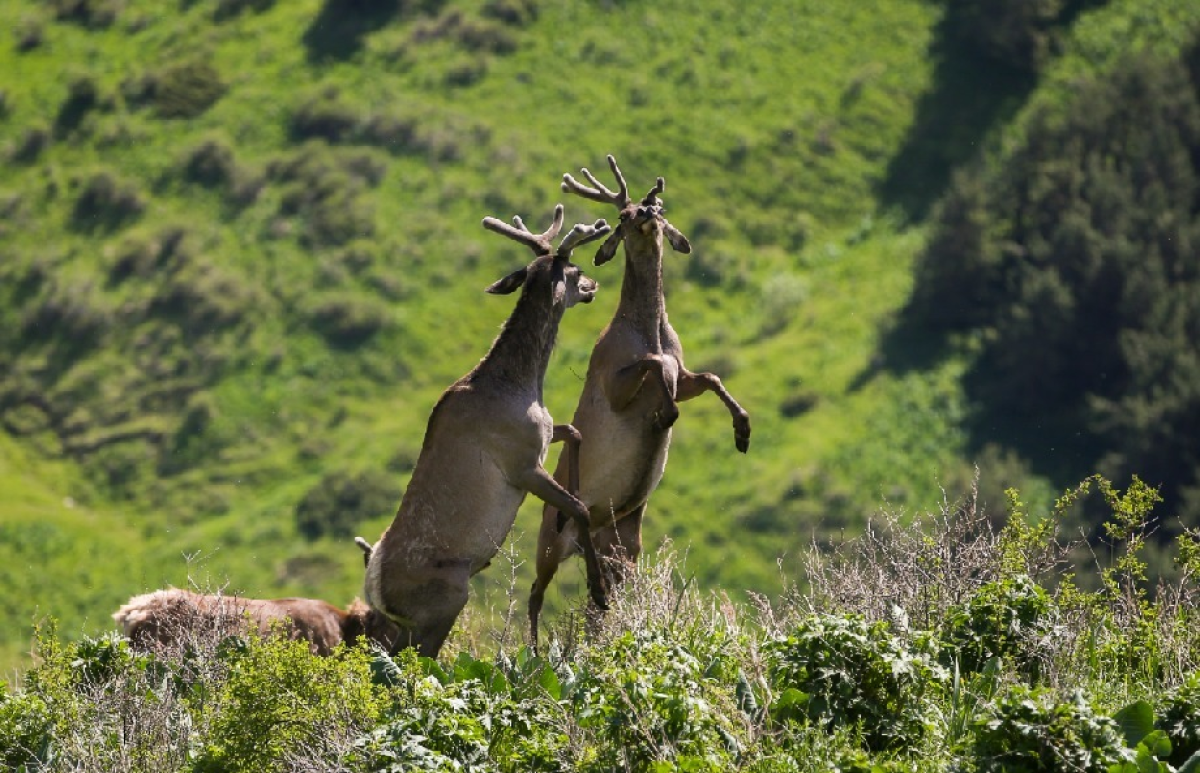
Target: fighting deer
{"type": "Point", "coordinates": [483, 451]}
{"type": "Point", "coordinates": [635, 380]}
{"type": "Point", "coordinates": [171, 617]}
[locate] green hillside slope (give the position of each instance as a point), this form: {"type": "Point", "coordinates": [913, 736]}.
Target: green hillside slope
{"type": "Point", "coordinates": [240, 256]}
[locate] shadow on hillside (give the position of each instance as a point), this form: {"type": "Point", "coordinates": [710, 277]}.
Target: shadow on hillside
{"type": "Point", "coordinates": [973, 91]}
{"type": "Point", "coordinates": [970, 95]}
{"type": "Point", "coordinates": [339, 27]}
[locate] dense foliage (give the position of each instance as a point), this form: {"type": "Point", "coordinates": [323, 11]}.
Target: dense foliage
{"type": "Point", "coordinates": [672, 679]}
{"type": "Point", "coordinates": [1073, 262]}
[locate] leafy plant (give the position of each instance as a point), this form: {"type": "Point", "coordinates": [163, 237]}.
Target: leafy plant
{"type": "Point", "coordinates": [278, 698]}
{"type": "Point", "coordinates": [475, 716]}
{"type": "Point", "coordinates": [851, 673]}
{"type": "Point", "coordinates": [1179, 718]}
{"type": "Point", "coordinates": [651, 699]}
{"type": "Point", "coordinates": [1028, 731]}
{"type": "Point", "coordinates": [1006, 618]}
{"type": "Point", "coordinates": [186, 89]}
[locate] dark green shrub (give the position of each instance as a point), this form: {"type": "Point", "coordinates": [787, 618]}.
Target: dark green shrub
{"type": "Point", "coordinates": [325, 115]}
{"type": "Point", "coordinates": [348, 320]}
{"type": "Point", "coordinates": [390, 132]}
{"type": "Point", "coordinates": [186, 89]}
{"type": "Point", "coordinates": [141, 254]}
{"type": "Point", "coordinates": [431, 733]}
{"type": "Point", "coordinates": [844, 671]}
{"type": "Point", "coordinates": [339, 27]}
{"type": "Point", "coordinates": [69, 310]}
{"type": "Point", "coordinates": [88, 13]}
{"type": "Point", "coordinates": [652, 697]}
{"type": "Point", "coordinates": [517, 13]}
{"type": "Point", "coordinates": [1007, 619]}
{"type": "Point", "coordinates": [470, 34]}
{"type": "Point", "coordinates": [210, 163]}
{"type": "Point", "coordinates": [25, 730]}
{"type": "Point", "coordinates": [341, 501]}
{"type": "Point", "coordinates": [227, 9]}
{"type": "Point", "coordinates": [30, 147]}
{"type": "Point", "coordinates": [326, 188]}
{"type": "Point", "coordinates": [30, 33]}
{"type": "Point", "coordinates": [202, 298]}
{"type": "Point", "coordinates": [1013, 33]}
{"type": "Point", "coordinates": [83, 93]}
{"type": "Point", "coordinates": [106, 201]}
{"type": "Point", "coordinates": [278, 699]}
{"type": "Point", "coordinates": [1179, 716]}
{"type": "Point", "coordinates": [475, 715]}
{"type": "Point", "coordinates": [1029, 731]}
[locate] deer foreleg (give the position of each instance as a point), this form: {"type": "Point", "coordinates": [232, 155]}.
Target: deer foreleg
{"type": "Point", "coordinates": [543, 486]}
{"type": "Point", "coordinates": [569, 437]}
{"type": "Point", "coordinates": [694, 384]}
{"type": "Point", "coordinates": [623, 385]}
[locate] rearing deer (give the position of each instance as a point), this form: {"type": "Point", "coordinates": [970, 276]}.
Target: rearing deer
{"type": "Point", "coordinates": [635, 380]}
{"type": "Point", "coordinates": [483, 451]}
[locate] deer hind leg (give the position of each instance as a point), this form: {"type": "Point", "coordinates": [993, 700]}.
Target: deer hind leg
{"type": "Point", "coordinates": [446, 595]}
{"type": "Point", "coordinates": [623, 385]}
{"type": "Point", "coordinates": [555, 545]}
{"type": "Point", "coordinates": [695, 384]}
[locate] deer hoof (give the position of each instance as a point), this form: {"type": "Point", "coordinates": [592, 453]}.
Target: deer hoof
{"type": "Point", "coordinates": [741, 434]}
{"type": "Point", "coordinates": [665, 418]}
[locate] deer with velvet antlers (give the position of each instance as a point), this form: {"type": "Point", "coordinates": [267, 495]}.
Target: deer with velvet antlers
{"type": "Point", "coordinates": [635, 380]}
{"type": "Point", "coordinates": [484, 448]}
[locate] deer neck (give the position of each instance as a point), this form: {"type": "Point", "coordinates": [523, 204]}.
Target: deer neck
{"type": "Point", "coordinates": [642, 302]}
{"type": "Point", "coordinates": [521, 352]}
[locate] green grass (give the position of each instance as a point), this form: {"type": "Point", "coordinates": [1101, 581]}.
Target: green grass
{"type": "Point", "coordinates": [773, 125]}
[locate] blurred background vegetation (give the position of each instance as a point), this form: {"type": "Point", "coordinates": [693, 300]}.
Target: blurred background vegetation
{"type": "Point", "coordinates": [240, 257]}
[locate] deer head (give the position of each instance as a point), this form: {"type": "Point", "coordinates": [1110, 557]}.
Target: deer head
{"type": "Point", "coordinates": [569, 285]}
{"type": "Point", "coordinates": [643, 219]}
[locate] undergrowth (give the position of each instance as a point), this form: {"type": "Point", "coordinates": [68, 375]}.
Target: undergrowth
{"type": "Point", "coordinates": [950, 644]}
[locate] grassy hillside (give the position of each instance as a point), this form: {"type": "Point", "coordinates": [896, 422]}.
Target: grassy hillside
{"type": "Point", "coordinates": [240, 254]}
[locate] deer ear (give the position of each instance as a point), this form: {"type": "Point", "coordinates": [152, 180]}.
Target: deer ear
{"type": "Point", "coordinates": [609, 248]}
{"type": "Point", "coordinates": [678, 241]}
{"type": "Point", "coordinates": [509, 283]}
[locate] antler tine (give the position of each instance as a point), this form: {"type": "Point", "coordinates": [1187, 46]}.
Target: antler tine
{"type": "Point", "coordinates": [599, 192]}
{"type": "Point", "coordinates": [539, 243]}
{"type": "Point", "coordinates": [581, 233]}
{"type": "Point", "coordinates": [652, 197]}
{"type": "Point", "coordinates": [616, 170]}
{"type": "Point", "coordinates": [556, 226]}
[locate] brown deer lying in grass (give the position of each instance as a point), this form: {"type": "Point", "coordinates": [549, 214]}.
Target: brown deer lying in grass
{"type": "Point", "coordinates": [635, 380]}
{"type": "Point", "coordinates": [483, 451]}
{"type": "Point", "coordinates": [169, 617]}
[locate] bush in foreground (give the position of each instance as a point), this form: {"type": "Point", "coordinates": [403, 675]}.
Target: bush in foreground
{"type": "Point", "coordinates": [674, 680]}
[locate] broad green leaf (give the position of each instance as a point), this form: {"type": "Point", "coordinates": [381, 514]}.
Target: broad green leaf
{"type": "Point", "coordinates": [1136, 721]}
{"type": "Point", "coordinates": [549, 682]}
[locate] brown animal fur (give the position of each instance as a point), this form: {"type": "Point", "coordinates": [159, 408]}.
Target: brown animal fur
{"type": "Point", "coordinates": [168, 617]}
